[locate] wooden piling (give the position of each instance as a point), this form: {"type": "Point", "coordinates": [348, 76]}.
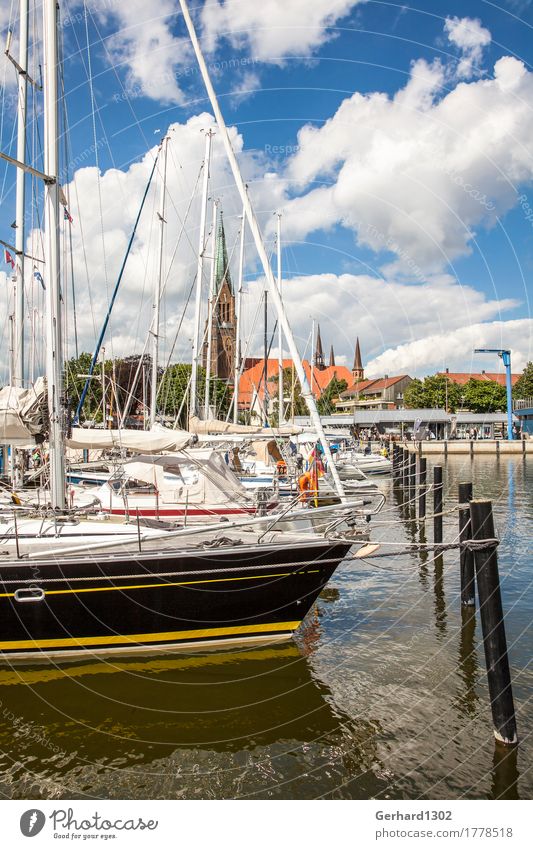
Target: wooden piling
{"type": "Point", "coordinates": [422, 478]}
{"type": "Point", "coordinates": [412, 480]}
{"type": "Point", "coordinates": [437, 504]}
{"type": "Point", "coordinates": [492, 623]}
{"type": "Point", "coordinates": [405, 468]}
{"type": "Point", "coordinates": [466, 557]}
{"type": "Point", "coordinates": [394, 462]}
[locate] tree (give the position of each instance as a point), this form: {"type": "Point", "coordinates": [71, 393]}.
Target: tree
{"type": "Point", "coordinates": [435, 391]}
{"type": "Point", "coordinates": [175, 384]}
{"type": "Point", "coordinates": [523, 387]}
{"type": "Point", "coordinates": [415, 396]}
{"type": "Point", "coordinates": [76, 370]}
{"type": "Point", "coordinates": [326, 402]}
{"type": "Point", "coordinates": [295, 403]}
{"type": "Point", "coordinates": [484, 396]}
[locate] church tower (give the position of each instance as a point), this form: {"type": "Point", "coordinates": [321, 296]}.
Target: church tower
{"type": "Point", "coordinates": [319, 353]}
{"type": "Point", "coordinates": [223, 339]}
{"type": "Point", "coordinates": [358, 371]}
{"type": "Point", "coordinates": [331, 357]}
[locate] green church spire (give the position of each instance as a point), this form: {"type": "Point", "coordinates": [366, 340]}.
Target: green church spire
{"type": "Point", "coordinates": [221, 257]}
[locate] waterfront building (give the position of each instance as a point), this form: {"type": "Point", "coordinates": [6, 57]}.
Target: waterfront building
{"type": "Point", "coordinates": [523, 410]}
{"type": "Point", "coordinates": [462, 378]}
{"type": "Point", "coordinates": [255, 399]}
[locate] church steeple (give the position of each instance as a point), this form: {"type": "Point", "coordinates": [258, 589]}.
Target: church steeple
{"type": "Point", "coordinates": [358, 370]}
{"type": "Point", "coordinates": [319, 353]}
{"type": "Point", "coordinates": [331, 357]}
{"type": "Point", "coordinates": [223, 331]}
{"type": "Point", "coordinates": [222, 271]}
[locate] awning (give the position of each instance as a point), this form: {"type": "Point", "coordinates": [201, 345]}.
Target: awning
{"type": "Point", "coordinates": [152, 441]}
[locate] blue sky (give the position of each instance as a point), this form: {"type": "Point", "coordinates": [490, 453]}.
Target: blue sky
{"type": "Point", "coordinates": [368, 265]}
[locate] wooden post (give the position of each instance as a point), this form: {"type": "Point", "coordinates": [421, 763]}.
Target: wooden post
{"type": "Point", "coordinates": [422, 477]}
{"type": "Point", "coordinates": [393, 459]}
{"type": "Point", "coordinates": [466, 557]}
{"type": "Point", "coordinates": [492, 624]}
{"type": "Point", "coordinates": [437, 504]}
{"type": "Point", "coordinates": [405, 468]}
{"type": "Point", "coordinates": [412, 480]}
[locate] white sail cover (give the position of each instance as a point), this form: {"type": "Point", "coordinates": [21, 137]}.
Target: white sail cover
{"type": "Point", "coordinates": [21, 414]}
{"type": "Point", "coordinates": [196, 480]}
{"type": "Point", "coordinates": [153, 441]}
{"type": "Point", "coordinates": [216, 426]}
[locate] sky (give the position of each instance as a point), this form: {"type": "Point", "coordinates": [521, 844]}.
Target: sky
{"type": "Point", "coordinates": [393, 138]}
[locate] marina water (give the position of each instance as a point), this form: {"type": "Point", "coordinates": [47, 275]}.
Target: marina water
{"type": "Point", "coordinates": [383, 694]}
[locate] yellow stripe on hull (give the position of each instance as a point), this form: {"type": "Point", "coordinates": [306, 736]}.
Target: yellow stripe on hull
{"type": "Point", "coordinates": [142, 639]}
{"type": "Point", "coordinates": [160, 585]}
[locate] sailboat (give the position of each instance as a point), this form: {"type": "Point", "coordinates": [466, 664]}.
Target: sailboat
{"type": "Point", "coordinates": [186, 588]}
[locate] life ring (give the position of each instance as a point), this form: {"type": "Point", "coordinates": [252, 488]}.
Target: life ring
{"type": "Point", "coordinates": [304, 485]}
{"type": "Point", "coordinates": [281, 468]}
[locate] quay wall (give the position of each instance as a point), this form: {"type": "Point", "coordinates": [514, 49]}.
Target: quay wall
{"type": "Point", "coordinates": [473, 447]}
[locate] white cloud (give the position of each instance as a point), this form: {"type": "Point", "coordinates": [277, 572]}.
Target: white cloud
{"type": "Point", "coordinates": [143, 43]}
{"type": "Point", "coordinates": [155, 59]}
{"type": "Point", "coordinates": [402, 328]}
{"type": "Point", "coordinates": [121, 192]}
{"type": "Point", "coordinates": [273, 29]}
{"type": "Point", "coordinates": [470, 37]}
{"type": "Point", "coordinates": [454, 350]}
{"type": "Point", "coordinates": [417, 173]}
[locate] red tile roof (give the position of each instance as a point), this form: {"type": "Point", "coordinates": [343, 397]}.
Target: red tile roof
{"type": "Point", "coordinates": [461, 378]}
{"type": "Point", "coordinates": [378, 384]}
{"type": "Point", "coordinates": [252, 379]}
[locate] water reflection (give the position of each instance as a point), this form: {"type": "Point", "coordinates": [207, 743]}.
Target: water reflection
{"type": "Point", "coordinates": [440, 597]}
{"type": "Point", "coordinates": [504, 784]}
{"type": "Point", "coordinates": [423, 559]}
{"type": "Point", "coordinates": [467, 665]}
{"type": "Point", "coordinates": [81, 720]}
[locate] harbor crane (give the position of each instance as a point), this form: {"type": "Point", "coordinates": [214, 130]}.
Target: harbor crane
{"type": "Point", "coordinates": [505, 356]}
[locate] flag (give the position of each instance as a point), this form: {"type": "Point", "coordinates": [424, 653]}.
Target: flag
{"type": "Point", "coordinates": [38, 276]}
{"type": "Point", "coordinates": [8, 259]}
{"type": "Point", "coordinates": [67, 216]}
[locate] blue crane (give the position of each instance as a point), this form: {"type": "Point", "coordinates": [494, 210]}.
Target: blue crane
{"type": "Point", "coordinates": [506, 359]}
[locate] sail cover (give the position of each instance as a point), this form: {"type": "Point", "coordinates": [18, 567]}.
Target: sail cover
{"type": "Point", "coordinates": [215, 426]}
{"type": "Point", "coordinates": [152, 441]}
{"type": "Point", "coordinates": [192, 479]}
{"type": "Point", "coordinates": [22, 414]}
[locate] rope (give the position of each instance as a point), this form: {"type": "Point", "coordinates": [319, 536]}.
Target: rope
{"type": "Point", "coordinates": [472, 545]}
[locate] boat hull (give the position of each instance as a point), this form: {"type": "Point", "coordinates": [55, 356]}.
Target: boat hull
{"type": "Point", "coordinates": [159, 599]}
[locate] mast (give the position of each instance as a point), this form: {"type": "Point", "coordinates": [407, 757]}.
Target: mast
{"type": "Point", "coordinates": [265, 347]}
{"type": "Point", "coordinates": [238, 300]}
{"type": "Point", "coordinates": [280, 332]}
{"type": "Point", "coordinates": [210, 313]}
{"type": "Point", "coordinates": [54, 350]}
{"type": "Point", "coordinates": [254, 227]}
{"type": "Point", "coordinates": [193, 406]}
{"type": "Point", "coordinates": [157, 289]}
{"type": "Point", "coordinates": [18, 353]}
{"type": "Point", "coordinates": [312, 354]}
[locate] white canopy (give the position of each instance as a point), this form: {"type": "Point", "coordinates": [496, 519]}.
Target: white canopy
{"type": "Point", "coordinates": [216, 426]}
{"type": "Point", "coordinates": [152, 441]}
{"type": "Point", "coordinates": [198, 480]}
{"type": "Point", "coordinates": [21, 414]}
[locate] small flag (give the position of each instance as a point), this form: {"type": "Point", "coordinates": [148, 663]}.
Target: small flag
{"type": "Point", "coordinates": [8, 259]}
{"type": "Point", "coordinates": [38, 276]}
{"type": "Point", "coordinates": [67, 215]}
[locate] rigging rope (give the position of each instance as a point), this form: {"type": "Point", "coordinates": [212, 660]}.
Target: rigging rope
{"type": "Point", "coordinates": [114, 295]}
